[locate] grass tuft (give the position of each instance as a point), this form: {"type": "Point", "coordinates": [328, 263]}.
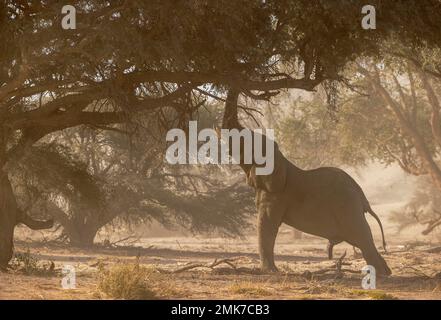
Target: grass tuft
{"type": "Point", "coordinates": [128, 282]}
{"type": "Point", "coordinates": [374, 294]}
{"type": "Point", "coordinates": [135, 282]}
{"type": "Point", "coordinates": [248, 288]}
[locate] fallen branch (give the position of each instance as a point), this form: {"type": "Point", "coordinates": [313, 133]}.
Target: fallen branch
{"type": "Point", "coordinates": [431, 225]}
{"type": "Point", "coordinates": [434, 250]}
{"type": "Point", "coordinates": [337, 269]}
{"type": "Point", "coordinates": [211, 266]}
{"type": "Point", "coordinates": [134, 239]}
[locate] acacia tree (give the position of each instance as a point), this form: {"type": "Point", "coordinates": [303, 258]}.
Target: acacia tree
{"type": "Point", "coordinates": [143, 56]}
{"type": "Point", "coordinates": [87, 178]}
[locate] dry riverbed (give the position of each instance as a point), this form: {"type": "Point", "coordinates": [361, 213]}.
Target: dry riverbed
{"type": "Point", "coordinates": [192, 268]}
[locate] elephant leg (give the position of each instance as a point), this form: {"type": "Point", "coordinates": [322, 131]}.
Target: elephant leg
{"type": "Point", "coordinates": [373, 258]}
{"type": "Point", "coordinates": [366, 244]}
{"type": "Point", "coordinates": [330, 247]}
{"type": "Point", "coordinates": [268, 224]}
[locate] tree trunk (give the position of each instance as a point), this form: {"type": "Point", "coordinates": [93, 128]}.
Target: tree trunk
{"type": "Point", "coordinates": [82, 239]}
{"type": "Point", "coordinates": [10, 215]}
{"type": "Point", "coordinates": [81, 235]}
{"type": "Point", "coordinates": [8, 219]}
{"type": "Point", "coordinates": [8, 208]}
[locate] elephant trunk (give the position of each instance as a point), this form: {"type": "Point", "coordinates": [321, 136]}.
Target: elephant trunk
{"type": "Point", "coordinates": [230, 121]}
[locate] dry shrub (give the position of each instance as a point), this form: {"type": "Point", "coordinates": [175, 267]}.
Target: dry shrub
{"type": "Point", "coordinates": [31, 265]}
{"type": "Point", "coordinates": [128, 281]}
{"type": "Point", "coordinates": [135, 282]}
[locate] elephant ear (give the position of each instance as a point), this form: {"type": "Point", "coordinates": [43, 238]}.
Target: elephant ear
{"type": "Point", "coordinates": [274, 182]}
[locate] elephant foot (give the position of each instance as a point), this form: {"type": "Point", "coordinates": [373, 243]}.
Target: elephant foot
{"type": "Point", "coordinates": [268, 267]}
{"type": "Point", "coordinates": [383, 270]}
{"type": "Point", "coordinates": [381, 267]}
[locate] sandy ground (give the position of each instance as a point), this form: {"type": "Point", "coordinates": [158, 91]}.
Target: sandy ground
{"type": "Point", "coordinates": [305, 272]}
{"type": "Point", "coordinates": [416, 271]}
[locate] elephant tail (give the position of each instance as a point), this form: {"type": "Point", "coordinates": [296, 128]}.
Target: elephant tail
{"type": "Point", "coordinates": [369, 209]}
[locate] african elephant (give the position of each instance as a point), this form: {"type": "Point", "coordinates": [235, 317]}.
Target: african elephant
{"type": "Point", "coordinates": [325, 202]}
{"type": "Point", "coordinates": [10, 216]}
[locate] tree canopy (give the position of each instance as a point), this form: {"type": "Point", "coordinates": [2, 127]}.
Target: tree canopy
{"type": "Point", "coordinates": [145, 56]}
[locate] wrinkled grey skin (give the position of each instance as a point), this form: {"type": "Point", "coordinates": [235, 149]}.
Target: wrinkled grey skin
{"type": "Point", "coordinates": [10, 216]}
{"type": "Point", "coordinates": [325, 202]}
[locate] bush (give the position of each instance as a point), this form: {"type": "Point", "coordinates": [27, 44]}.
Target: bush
{"type": "Point", "coordinates": [130, 282]}
{"type": "Point", "coordinates": [31, 265]}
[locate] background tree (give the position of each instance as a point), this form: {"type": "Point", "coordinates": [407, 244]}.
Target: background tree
{"type": "Point", "coordinates": [392, 116]}
{"type": "Point", "coordinates": [88, 178]}
{"type": "Point", "coordinates": [422, 209]}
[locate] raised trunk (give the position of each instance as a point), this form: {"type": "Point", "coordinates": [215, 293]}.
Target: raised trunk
{"type": "Point", "coordinates": [230, 121]}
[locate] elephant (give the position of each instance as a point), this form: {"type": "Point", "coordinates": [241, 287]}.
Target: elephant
{"type": "Point", "coordinates": [10, 216]}
{"type": "Point", "coordinates": [326, 202]}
